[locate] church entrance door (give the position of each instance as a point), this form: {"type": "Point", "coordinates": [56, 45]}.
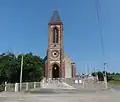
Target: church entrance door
{"type": "Point", "coordinates": [55, 71]}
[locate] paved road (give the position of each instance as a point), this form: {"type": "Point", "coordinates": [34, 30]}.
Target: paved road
{"type": "Point", "coordinates": [117, 88]}
{"type": "Point", "coordinates": [104, 96]}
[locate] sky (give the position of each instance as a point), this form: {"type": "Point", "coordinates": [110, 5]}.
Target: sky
{"type": "Point", "coordinates": [24, 28]}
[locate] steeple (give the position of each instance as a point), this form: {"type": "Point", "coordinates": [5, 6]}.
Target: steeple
{"type": "Point", "coordinates": [55, 18]}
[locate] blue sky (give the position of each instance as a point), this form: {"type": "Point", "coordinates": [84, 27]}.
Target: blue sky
{"type": "Point", "coordinates": [24, 28]}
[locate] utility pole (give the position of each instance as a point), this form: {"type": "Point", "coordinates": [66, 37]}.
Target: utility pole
{"type": "Point", "coordinates": [21, 70]}
{"type": "Point", "coordinates": [84, 69]}
{"type": "Point", "coordinates": [94, 70]}
{"type": "Point", "coordinates": [105, 76]}
{"type": "Point", "coordinates": [88, 69]}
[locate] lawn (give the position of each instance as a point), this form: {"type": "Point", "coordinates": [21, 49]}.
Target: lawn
{"type": "Point", "coordinates": [114, 82]}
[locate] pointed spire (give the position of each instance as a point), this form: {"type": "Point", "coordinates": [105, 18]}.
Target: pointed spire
{"type": "Point", "coordinates": [55, 18]}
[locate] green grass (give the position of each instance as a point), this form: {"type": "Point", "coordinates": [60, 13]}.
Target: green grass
{"type": "Point", "coordinates": [116, 77]}
{"type": "Point", "coordinates": [2, 88]}
{"type": "Point", "coordinates": [113, 82]}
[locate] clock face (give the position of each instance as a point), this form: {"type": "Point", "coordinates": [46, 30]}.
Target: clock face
{"type": "Point", "coordinates": [55, 53]}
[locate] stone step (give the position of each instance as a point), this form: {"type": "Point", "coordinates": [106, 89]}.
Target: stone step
{"type": "Point", "coordinates": [55, 84]}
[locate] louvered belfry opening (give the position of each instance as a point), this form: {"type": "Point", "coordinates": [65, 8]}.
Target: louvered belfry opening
{"type": "Point", "coordinates": [55, 35]}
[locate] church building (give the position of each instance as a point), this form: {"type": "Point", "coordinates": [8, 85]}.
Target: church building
{"type": "Point", "coordinates": [57, 63]}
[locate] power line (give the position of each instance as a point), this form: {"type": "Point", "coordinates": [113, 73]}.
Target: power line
{"type": "Point", "coordinates": [98, 9]}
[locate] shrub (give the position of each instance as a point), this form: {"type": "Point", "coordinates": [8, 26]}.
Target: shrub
{"type": "Point", "coordinates": [2, 87]}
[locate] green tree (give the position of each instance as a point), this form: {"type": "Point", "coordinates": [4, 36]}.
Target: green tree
{"type": "Point", "coordinates": [94, 73]}
{"type": "Point", "coordinates": [32, 67]}
{"type": "Point", "coordinates": [7, 61]}
{"type": "Point", "coordinates": [117, 74]}
{"type": "Point", "coordinates": [10, 67]}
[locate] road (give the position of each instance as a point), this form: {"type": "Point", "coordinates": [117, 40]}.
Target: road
{"type": "Point", "coordinates": [103, 96]}
{"type": "Point", "coordinates": [117, 88]}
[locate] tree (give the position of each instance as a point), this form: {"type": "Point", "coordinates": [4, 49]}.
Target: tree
{"type": "Point", "coordinates": [94, 73]}
{"type": "Point", "coordinates": [7, 61]}
{"type": "Point", "coordinates": [101, 75]}
{"type": "Point", "coordinates": [10, 67]}
{"type": "Point", "coordinates": [32, 67]}
{"type": "Point", "coordinates": [117, 74]}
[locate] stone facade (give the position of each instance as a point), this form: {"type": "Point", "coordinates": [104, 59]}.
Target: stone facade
{"type": "Point", "coordinates": [57, 65]}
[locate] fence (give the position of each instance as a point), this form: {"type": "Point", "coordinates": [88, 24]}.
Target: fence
{"type": "Point", "coordinates": [88, 83]}
{"type": "Point", "coordinates": [83, 83]}
{"type": "Point", "coordinates": [26, 86]}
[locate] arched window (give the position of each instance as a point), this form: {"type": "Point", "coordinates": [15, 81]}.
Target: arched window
{"type": "Point", "coordinates": [55, 35]}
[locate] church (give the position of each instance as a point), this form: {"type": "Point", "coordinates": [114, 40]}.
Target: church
{"type": "Point", "coordinates": [57, 63]}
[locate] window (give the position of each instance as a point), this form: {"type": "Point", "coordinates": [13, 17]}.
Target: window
{"type": "Point", "coordinates": [55, 35]}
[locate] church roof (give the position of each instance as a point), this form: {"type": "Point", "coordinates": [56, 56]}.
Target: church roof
{"type": "Point", "coordinates": [45, 58]}
{"type": "Point", "coordinates": [55, 18]}
{"type": "Point", "coordinates": [68, 58]}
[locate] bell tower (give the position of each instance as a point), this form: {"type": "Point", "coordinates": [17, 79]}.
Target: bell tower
{"type": "Point", "coordinates": [55, 51]}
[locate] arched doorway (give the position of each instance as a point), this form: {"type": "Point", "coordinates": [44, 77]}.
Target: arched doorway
{"type": "Point", "coordinates": [55, 71]}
